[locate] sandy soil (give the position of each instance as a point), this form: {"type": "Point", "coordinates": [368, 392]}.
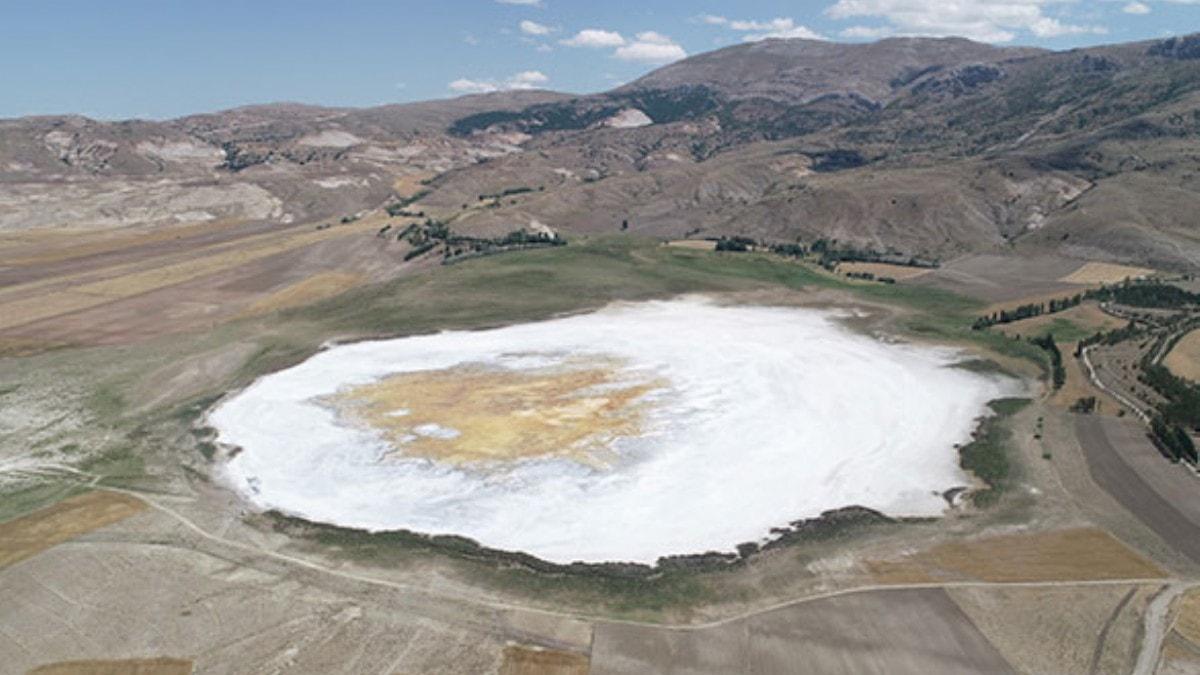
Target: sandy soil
{"type": "Point", "coordinates": [29, 535]}
{"type": "Point", "coordinates": [1184, 357]}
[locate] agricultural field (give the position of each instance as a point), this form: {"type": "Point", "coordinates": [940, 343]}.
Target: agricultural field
{"type": "Point", "coordinates": [1184, 357]}
{"type": "Point", "coordinates": [136, 419]}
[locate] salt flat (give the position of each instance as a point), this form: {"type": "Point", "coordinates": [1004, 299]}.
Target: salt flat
{"type": "Point", "coordinates": [744, 418]}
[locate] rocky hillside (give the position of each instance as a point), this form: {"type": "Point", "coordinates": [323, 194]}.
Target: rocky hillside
{"type": "Point", "coordinates": [930, 147]}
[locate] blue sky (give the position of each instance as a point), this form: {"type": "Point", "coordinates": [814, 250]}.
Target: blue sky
{"type": "Point", "coordinates": [164, 58]}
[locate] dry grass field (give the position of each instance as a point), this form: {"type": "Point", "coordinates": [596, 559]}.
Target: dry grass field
{"type": "Point", "coordinates": [519, 660]}
{"type": "Point", "coordinates": [1082, 554]}
{"type": "Point", "coordinates": [897, 272]}
{"type": "Point", "coordinates": [1184, 357]}
{"type": "Point", "coordinates": [155, 666]}
{"type": "Point", "coordinates": [31, 534]}
{"type": "Point", "coordinates": [317, 287]}
{"type": "Point", "coordinates": [1093, 273]}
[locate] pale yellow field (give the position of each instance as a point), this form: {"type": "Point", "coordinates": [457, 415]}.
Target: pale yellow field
{"type": "Point", "coordinates": [155, 666]}
{"type": "Point", "coordinates": [502, 414]}
{"type": "Point", "coordinates": [1104, 273]}
{"type": "Point", "coordinates": [317, 287]}
{"type": "Point", "coordinates": [897, 272]}
{"type": "Point", "coordinates": [697, 244]}
{"type": "Point", "coordinates": [31, 534]}
{"type": "Point", "coordinates": [1184, 357]}
{"type": "Point", "coordinates": [1075, 555]}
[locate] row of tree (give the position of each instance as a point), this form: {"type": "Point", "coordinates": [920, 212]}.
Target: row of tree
{"type": "Point", "coordinates": [1027, 311]}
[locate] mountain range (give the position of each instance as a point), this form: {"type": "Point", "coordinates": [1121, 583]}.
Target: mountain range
{"type": "Point", "coordinates": [925, 147]}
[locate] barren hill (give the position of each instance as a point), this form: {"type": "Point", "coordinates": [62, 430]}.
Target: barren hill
{"type": "Point", "coordinates": [932, 147]}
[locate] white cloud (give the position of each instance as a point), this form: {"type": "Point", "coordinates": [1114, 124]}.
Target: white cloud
{"type": "Point", "coordinates": [866, 32]}
{"type": "Point", "coordinates": [754, 31]}
{"type": "Point", "coordinates": [594, 37]}
{"type": "Point", "coordinates": [651, 47]}
{"type": "Point", "coordinates": [533, 28]}
{"type": "Point", "coordinates": [984, 20]}
{"type": "Point", "coordinates": [527, 79]}
{"type": "Point", "coordinates": [1136, 8]}
{"type": "Point", "coordinates": [527, 3]}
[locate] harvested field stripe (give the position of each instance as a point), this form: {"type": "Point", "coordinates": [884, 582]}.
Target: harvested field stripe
{"type": "Point", "coordinates": [28, 310]}
{"type": "Point", "coordinates": [151, 666]}
{"type": "Point", "coordinates": [28, 535]}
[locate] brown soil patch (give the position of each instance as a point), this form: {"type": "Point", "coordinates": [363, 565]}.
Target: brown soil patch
{"type": "Point", "coordinates": [520, 660]}
{"type": "Point", "coordinates": [1184, 357]}
{"type": "Point", "coordinates": [156, 666]}
{"type": "Point", "coordinates": [1104, 273]}
{"type": "Point", "coordinates": [1063, 555]}
{"type": "Point", "coordinates": [310, 290]}
{"type": "Point", "coordinates": [477, 413]}
{"type": "Point", "coordinates": [696, 244]}
{"type": "Point", "coordinates": [897, 272]}
{"type": "Point", "coordinates": [33, 533]}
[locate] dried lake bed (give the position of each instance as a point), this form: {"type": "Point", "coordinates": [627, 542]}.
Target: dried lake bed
{"type": "Point", "coordinates": [638, 431]}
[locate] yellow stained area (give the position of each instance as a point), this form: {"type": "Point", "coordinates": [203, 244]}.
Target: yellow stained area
{"type": "Point", "coordinates": [500, 414]}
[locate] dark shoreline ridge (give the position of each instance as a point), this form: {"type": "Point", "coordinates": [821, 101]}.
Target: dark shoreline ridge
{"type": "Point", "coordinates": [829, 525]}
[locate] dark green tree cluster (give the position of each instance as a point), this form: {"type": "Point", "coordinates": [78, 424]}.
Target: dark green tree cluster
{"type": "Point", "coordinates": [735, 244]}
{"type": "Point", "coordinates": [790, 250]}
{"type": "Point", "coordinates": [1058, 374]}
{"type": "Point", "coordinates": [1153, 294]}
{"type": "Point", "coordinates": [1172, 440]}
